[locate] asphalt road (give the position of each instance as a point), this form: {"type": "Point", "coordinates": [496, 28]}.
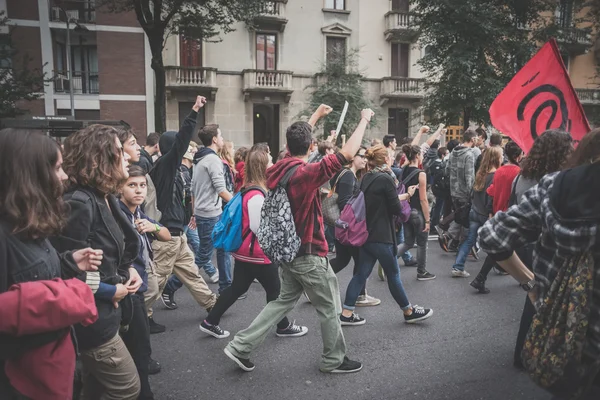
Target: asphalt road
{"type": "Point", "coordinates": [464, 351]}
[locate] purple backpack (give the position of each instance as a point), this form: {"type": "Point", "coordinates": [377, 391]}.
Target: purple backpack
{"type": "Point", "coordinates": [351, 227]}
{"type": "Point", "coordinates": [404, 204]}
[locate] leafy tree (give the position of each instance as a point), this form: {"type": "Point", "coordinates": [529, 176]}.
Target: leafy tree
{"type": "Point", "coordinates": [18, 82]}
{"type": "Point", "coordinates": [337, 81]}
{"type": "Point", "coordinates": [196, 19]}
{"type": "Point", "coordinates": [473, 49]}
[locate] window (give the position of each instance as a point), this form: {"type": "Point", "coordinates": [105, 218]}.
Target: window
{"type": "Point", "coordinates": [400, 53]}
{"type": "Point", "coordinates": [336, 49]}
{"type": "Point", "coordinates": [335, 4]}
{"type": "Point", "coordinates": [190, 52]}
{"type": "Point", "coordinates": [398, 123]}
{"type": "Point", "coordinates": [266, 51]}
{"type": "Point", "coordinates": [400, 5]}
{"type": "Point", "coordinates": [84, 66]}
{"type": "Point", "coordinates": [5, 52]}
{"type": "Point", "coordinates": [564, 14]}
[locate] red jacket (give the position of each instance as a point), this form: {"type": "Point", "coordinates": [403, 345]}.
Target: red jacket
{"type": "Point", "coordinates": [303, 192]}
{"type": "Point", "coordinates": [250, 250]}
{"type": "Point", "coordinates": [35, 307]}
{"type": "Point", "coordinates": [501, 186]}
{"type": "Point", "coordinates": [239, 178]}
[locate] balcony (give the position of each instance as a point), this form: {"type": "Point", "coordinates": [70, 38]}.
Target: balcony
{"type": "Point", "coordinates": [84, 82]}
{"type": "Point", "coordinates": [399, 27]}
{"type": "Point", "coordinates": [272, 16]}
{"type": "Point", "coordinates": [193, 78]}
{"type": "Point", "coordinates": [268, 82]}
{"type": "Point", "coordinates": [401, 88]}
{"type": "Point", "coordinates": [589, 96]}
{"type": "Point", "coordinates": [77, 11]}
{"type": "Point", "coordinates": [576, 41]}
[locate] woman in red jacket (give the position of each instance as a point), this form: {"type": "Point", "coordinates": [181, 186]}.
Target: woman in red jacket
{"type": "Point", "coordinates": [250, 261]}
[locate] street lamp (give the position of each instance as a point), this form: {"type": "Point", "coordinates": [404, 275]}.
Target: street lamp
{"type": "Point", "coordinates": [79, 28]}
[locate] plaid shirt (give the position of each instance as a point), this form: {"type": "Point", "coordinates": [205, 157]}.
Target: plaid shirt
{"type": "Point", "coordinates": [556, 239]}
{"type": "Point", "coordinates": [303, 193]}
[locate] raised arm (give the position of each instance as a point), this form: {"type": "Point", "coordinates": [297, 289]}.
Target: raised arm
{"type": "Point", "coordinates": [353, 144]}
{"type": "Point", "coordinates": [417, 139]}
{"type": "Point", "coordinates": [323, 111]}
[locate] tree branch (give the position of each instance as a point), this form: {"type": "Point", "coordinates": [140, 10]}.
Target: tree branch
{"type": "Point", "coordinates": [176, 8]}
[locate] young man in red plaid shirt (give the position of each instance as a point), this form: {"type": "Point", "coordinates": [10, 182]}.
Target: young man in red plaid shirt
{"type": "Point", "coordinates": [310, 271]}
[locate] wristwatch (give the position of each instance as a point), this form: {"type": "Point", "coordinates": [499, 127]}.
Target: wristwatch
{"type": "Point", "coordinates": [528, 285]}
{"type": "Point", "coordinates": [157, 226]}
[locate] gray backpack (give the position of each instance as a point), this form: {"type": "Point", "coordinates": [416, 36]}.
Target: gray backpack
{"type": "Point", "coordinates": [276, 234]}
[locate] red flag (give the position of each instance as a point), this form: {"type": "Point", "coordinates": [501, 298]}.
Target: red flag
{"type": "Point", "coordinates": [539, 97]}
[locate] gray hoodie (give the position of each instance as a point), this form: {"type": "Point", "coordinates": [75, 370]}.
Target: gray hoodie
{"type": "Point", "coordinates": [461, 170]}
{"type": "Point", "coordinates": [207, 182]}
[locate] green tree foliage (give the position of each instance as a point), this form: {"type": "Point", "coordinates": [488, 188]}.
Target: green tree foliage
{"type": "Point", "coordinates": [196, 19]}
{"type": "Point", "coordinates": [473, 49]}
{"type": "Point", "coordinates": [337, 81]}
{"type": "Point", "coordinates": [18, 82]}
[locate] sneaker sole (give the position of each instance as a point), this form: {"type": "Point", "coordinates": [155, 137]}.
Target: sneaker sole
{"type": "Point", "coordinates": [168, 307]}
{"type": "Point", "coordinates": [353, 323]}
{"type": "Point", "coordinates": [211, 333]}
{"type": "Point", "coordinates": [461, 276]}
{"type": "Point", "coordinates": [424, 317]}
{"type": "Point", "coordinates": [349, 371]}
{"type": "Point", "coordinates": [368, 304]}
{"type": "Point", "coordinates": [238, 362]}
{"type": "Point", "coordinates": [426, 279]}
{"type": "Point", "coordinates": [292, 334]}
{"type": "Point", "coordinates": [442, 244]}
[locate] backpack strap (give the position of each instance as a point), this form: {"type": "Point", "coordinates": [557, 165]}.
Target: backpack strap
{"type": "Point", "coordinates": [411, 175]}
{"type": "Point", "coordinates": [512, 200]}
{"type": "Point", "coordinates": [338, 179]}
{"type": "Point", "coordinates": [288, 175]}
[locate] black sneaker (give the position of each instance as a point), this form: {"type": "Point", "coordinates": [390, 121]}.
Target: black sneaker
{"type": "Point", "coordinates": [213, 330]}
{"type": "Point", "coordinates": [153, 367]}
{"type": "Point", "coordinates": [418, 314]}
{"type": "Point", "coordinates": [155, 328]}
{"type": "Point", "coordinates": [425, 276]}
{"type": "Point", "coordinates": [411, 263]}
{"type": "Point", "coordinates": [347, 367]}
{"type": "Point", "coordinates": [243, 363]}
{"type": "Point", "coordinates": [354, 319]}
{"type": "Point", "coordinates": [292, 331]}
{"type": "Point", "coordinates": [453, 246]}
{"type": "Point", "coordinates": [168, 299]}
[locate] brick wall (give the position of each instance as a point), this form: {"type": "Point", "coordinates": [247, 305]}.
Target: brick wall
{"type": "Point", "coordinates": [31, 108]}
{"type": "Point", "coordinates": [103, 17]}
{"type": "Point", "coordinates": [22, 9]}
{"type": "Point", "coordinates": [132, 112]}
{"type": "Point", "coordinates": [121, 63]}
{"type": "Point", "coordinates": [27, 41]}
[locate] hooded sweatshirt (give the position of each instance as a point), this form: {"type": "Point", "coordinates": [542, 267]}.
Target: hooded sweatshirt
{"type": "Point", "coordinates": [461, 169]}
{"type": "Point", "coordinates": [207, 182]}
{"type": "Point", "coordinates": [561, 215]}
{"type": "Point", "coordinates": [166, 176]}
{"type": "Point", "coordinates": [303, 190]}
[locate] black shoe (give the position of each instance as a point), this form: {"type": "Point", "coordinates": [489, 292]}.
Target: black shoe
{"type": "Point", "coordinates": [425, 276]}
{"type": "Point", "coordinates": [479, 284]}
{"type": "Point", "coordinates": [154, 327]}
{"type": "Point", "coordinates": [168, 299]}
{"type": "Point", "coordinates": [418, 314]}
{"type": "Point", "coordinates": [354, 319]}
{"type": "Point", "coordinates": [243, 363]}
{"type": "Point", "coordinates": [347, 367]}
{"type": "Point", "coordinates": [213, 330]}
{"type": "Point", "coordinates": [153, 367]}
{"type": "Point", "coordinates": [411, 263]}
{"type": "Point", "coordinates": [292, 330]}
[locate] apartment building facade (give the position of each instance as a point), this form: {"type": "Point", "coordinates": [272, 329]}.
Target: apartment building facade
{"type": "Point", "coordinates": [109, 60]}
{"type": "Point", "coordinates": [256, 78]}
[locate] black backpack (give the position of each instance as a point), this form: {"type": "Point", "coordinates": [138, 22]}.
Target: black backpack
{"type": "Point", "coordinates": [440, 180]}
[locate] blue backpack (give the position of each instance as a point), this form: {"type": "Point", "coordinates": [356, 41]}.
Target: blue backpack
{"type": "Point", "coordinates": [227, 233]}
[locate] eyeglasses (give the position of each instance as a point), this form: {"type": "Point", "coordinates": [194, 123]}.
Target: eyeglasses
{"type": "Point", "coordinates": [361, 155]}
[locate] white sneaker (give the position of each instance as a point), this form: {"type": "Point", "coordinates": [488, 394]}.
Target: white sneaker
{"type": "Point", "coordinates": [367, 301]}
{"type": "Point", "coordinates": [456, 273]}
{"type": "Point", "coordinates": [214, 278]}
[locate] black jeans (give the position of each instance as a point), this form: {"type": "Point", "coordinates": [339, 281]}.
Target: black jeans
{"type": "Point", "coordinates": [413, 231]}
{"type": "Point", "coordinates": [343, 254]}
{"type": "Point", "coordinates": [137, 340]}
{"type": "Point", "coordinates": [243, 275]}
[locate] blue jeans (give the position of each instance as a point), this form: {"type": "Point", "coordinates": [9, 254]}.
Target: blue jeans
{"type": "Point", "coordinates": [194, 241]}
{"type": "Point", "coordinates": [436, 213]}
{"type": "Point", "coordinates": [476, 221]}
{"type": "Point", "coordinates": [205, 228]}
{"type": "Point", "coordinates": [406, 256]}
{"type": "Point", "coordinates": [369, 253]}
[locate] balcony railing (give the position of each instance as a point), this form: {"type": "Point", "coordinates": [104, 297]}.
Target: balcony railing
{"type": "Point", "coordinates": [399, 25]}
{"type": "Point", "coordinates": [84, 82]}
{"type": "Point", "coordinates": [191, 77]}
{"type": "Point", "coordinates": [588, 96]}
{"type": "Point", "coordinates": [79, 11]}
{"type": "Point", "coordinates": [271, 16]}
{"type": "Point", "coordinates": [402, 87]}
{"type": "Point", "coordinates": [273, 8]}
{"type": "Point", "coordinates": [268, 81]}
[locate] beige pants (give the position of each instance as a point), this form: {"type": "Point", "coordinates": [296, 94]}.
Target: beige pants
{"type": "Point", "coordinates": [152, 294]}
{"type": "Point", "coordinates": [176, 257]}
{"type": "Point", "coordinates": [109, 372]}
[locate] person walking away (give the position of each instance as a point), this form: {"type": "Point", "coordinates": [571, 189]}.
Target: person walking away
{"type": "Point", "coordinates": [382, 203]}
{"type": "Point", "coordinates": [240, 164]}
{"type": "Point", "coordinates": [309, 272]}
{"type": "Point", "coordinates": [346, 184]}
{"type": "Point", "coordinates": [175, 256]}
{"type": "Point", "coordinates": [500, 191]}
{"type": "Point", "coordinates": [436, 172]}
{"type": "Point", "coordinates": [250, 261]}
{"type": "Point", "coordinates": [481, 207]}
{"type": "Point", "coordinates": [209, 193]}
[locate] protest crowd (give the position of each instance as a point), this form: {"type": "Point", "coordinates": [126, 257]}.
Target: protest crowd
{"type": "Point", "coordinates": [96, 233]}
